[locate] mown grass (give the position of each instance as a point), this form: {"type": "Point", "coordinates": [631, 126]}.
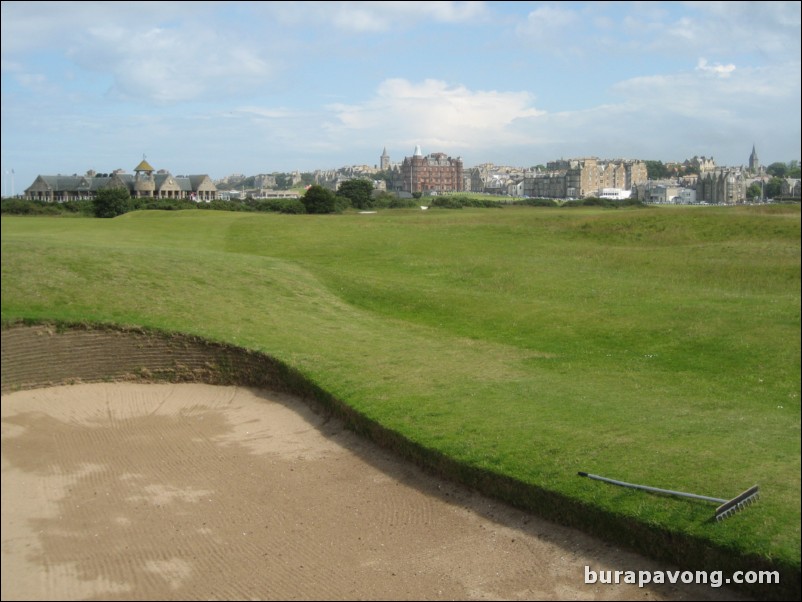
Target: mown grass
{"type": "Point", "coordinates": [655, 346]}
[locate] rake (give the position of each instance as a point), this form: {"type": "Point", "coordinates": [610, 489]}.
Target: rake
{"type": "Point", "coordinates": [727, 507]}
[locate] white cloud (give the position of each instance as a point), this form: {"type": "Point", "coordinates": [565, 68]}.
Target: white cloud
{"type": "Point", "coordinates": [433, 113]}
{"type": "Point", "coordinates": [375, 16]}
{"type": "Point", "coordinates": [546, 25]}
{"type": "Point", "coordinates": [267, 113]}
{"type": "Point", "coordinates": [741, 92]}
{"type": "Point", "coordinates": [151, 51]}
{"type": "Point", "coordinates": [30, 26]}
{"type": "Point", "coordinates": [717, 69]}
{"type": "Point", "coordinates": [714, 29]}
{"type": "Point", "coordinates": [770, 29]}
{"type": "Point", "coordinates": [169, 65]}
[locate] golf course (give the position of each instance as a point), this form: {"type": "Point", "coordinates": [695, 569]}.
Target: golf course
{"type": "Point", "coordinates": [506, 349]}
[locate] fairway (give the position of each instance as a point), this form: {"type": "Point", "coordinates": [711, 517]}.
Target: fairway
{"type": "Point", "coordinates": [654, 346]}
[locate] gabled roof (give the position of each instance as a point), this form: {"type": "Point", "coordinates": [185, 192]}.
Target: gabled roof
{"type": "Point", "coordinates": [70, 183]}
{"type": "Point", "coordinates": [184, 183]}
{"type": "Point", "coordinates": [97, 183]}
{"type": "Point", "coordinates": [162, 178]}
{"type": "Point", "coordinates": [82, 183]}
{"type": "Point", "coordinates": [197, 181]}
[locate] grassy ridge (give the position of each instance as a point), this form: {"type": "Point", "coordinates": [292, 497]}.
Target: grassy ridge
{"type": "Point", "coordinates": [659, 347]}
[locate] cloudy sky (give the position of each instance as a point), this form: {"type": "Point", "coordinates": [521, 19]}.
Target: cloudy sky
{"type": "Point", "coordinates": [260, 87]}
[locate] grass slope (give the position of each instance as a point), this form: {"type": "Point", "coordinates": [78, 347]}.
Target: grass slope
{"type": "Point", "coordinates": [654, 346]}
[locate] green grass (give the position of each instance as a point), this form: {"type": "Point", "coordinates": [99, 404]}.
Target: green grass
{"type": "Point", "coordinates": [655, 346]}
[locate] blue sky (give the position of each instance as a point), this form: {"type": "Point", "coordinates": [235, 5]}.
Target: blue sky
{"type": "Point", "coordinates": [260, 87]}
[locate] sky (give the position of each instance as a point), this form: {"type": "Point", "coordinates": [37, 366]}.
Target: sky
{"type": "Point", "coordinates": [259, 87]}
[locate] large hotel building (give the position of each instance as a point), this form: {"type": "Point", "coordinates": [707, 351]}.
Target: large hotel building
{"type": "Point", "coordinates": [436, 172]}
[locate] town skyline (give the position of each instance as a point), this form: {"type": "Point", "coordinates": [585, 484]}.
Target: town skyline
{"type": "Point", "coordinates": [253, 87]}
{"type": "Point", "coordinates": [697, 180]}
{"type": "Point", "coordinates": [367, 169]}
{"type": "Point", "coordinates": [394, 163]}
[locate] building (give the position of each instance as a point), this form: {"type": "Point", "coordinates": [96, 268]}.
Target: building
{"type": "Point", "coordinates": [791, 187]}
{"type": "Point", "coordinates": [478, 179]}
{"type": "Point", "coordinates": [700, 165]}
{"type": "Point", "coordinates": [550, 185]}
{"type": "Point", "coordinates": [144, 183]}
{"type": "Point", "coordinates": [722, 186]}
{"type": "Point", "coordinates": [580, 178]}
{"type": "Point", "coordinates": [436, 172]}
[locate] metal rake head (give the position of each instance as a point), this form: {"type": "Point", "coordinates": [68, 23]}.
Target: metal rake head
{"type": "Point", "coordinates": [737, 503]}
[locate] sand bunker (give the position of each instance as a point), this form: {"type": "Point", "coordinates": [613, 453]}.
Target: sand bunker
{"type": "Point", "coordinates": [188, 491]}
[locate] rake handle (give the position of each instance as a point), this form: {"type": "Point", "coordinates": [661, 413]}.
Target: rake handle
{"type": "Point", "coordinates": [653, 489]}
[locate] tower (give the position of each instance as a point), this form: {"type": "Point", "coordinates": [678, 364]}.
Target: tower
{"type": "Point", "coordinates": [384, 161]}
{"type": "Point", "coordinates": [144, 181]}
{"type": "Point", "coordinates": [754, 162]}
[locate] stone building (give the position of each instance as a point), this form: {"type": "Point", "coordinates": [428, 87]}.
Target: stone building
{"type": "Point", "coordinates": [145, 183]}
{"type": "Point", "coordinates": [580, 178]}
{"type": "Point", "coordinates": [791, 187]}
{"type": "Point", "coordinates": [700, 165]}
{"type": "Point", "coordinates": [722, 186]}
{"type": "Point", "coordinates": [480, 177]}
{"type": "Point", "coordinates": [436, 172]}
{"type": "Point", "coordinates": [551, 185]}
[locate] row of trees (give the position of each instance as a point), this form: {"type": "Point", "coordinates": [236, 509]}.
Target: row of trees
{"type": "Point", "coordinates": [657, 170]}
{"type": "Point", "coordinates": [784, 170]}
{"type": "Point", "coordinates": [351, 193]}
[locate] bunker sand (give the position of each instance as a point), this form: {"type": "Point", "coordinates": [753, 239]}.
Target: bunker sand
{"type": "Point", "coordinates": [186, 491]}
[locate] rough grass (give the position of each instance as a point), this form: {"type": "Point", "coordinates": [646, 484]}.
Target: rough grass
{"type": "Point", "coordinates": [653, 346]}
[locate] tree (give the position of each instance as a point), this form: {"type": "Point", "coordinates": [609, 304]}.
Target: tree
{"type": "Point", "coordinates": [755, 191]}
{"type": "Point", "coordinates": [319, 200]}
{"type": "Point", "coordinates": [793, 170]}
{"type": "Point", "coordinates": [777, 169]}
{"type": "Point", "coordinates": [111, 202]}
{"type": "Point", "coordinates": [358, 192]}
{"type": "Point", "coordinates": [656, 170]}
{"type": "Point", "coordinates": [283, 181]}
{"type": "Point", "coordinates": [774, 188]}
{"type": "Point", "coordinates": [386, 175]}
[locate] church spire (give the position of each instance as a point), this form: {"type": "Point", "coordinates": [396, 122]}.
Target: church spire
{"type": "Point", "coordinates": [754, 162]}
